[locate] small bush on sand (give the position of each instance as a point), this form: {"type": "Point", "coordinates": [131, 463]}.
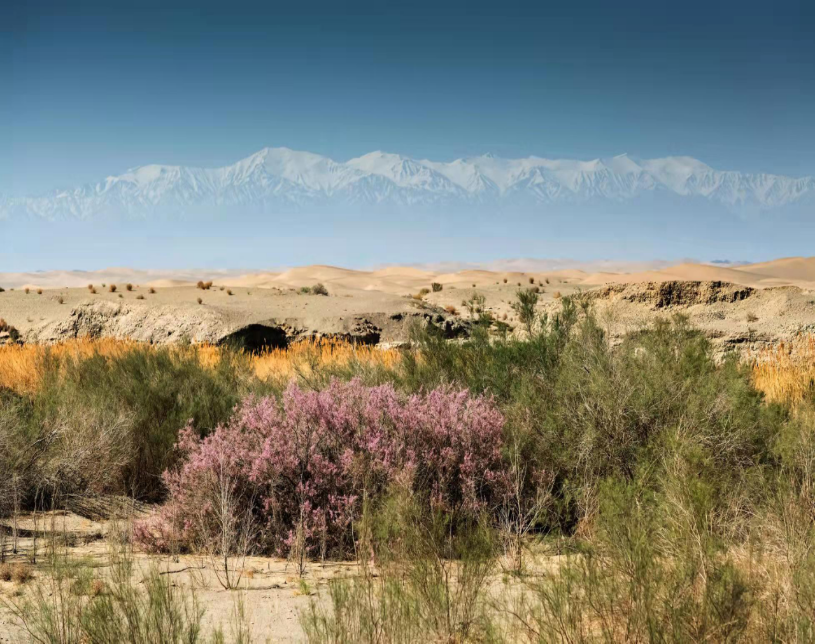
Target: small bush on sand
{"type": "Point", "coordinates": [200, 301]}
{"type": "Point", "coordinates": [5, 327]}
{"type": "Point", "coordinates": [27, 290]}
{"type": "Point", "coordinates": [140, 297]}
{"type": "Point", "coordinates": [525, 306]}
{"type": "Point", "coordinates": [319, 289]}
{"type": "Point", "coordinates": [229, 291]}
{"type": "Point", "coordinates": [152, 291]}
{"type": "Point", "coordinates": [436, 287]}
{"type": "Point", "coordinates": [39, 291]}
{"type": "Point", "coordinates": [452, 310]}
{"type": "Point", "coordinates": [128, 287]}
{"type": "Point", "coordinates": [112, 288]}
{"type": "Point", "coordinates": [21, 573]}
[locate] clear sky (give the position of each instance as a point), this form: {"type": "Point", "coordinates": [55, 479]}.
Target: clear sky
{"type": "Point", "coordinates": [93, 88]}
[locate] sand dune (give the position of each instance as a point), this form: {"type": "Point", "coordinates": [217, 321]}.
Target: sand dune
{"type": "Point", "coordinates": [403, 271]}
{"type": "Point", "coordinates": [401, 280]}
{"type": "Point", "coordinates": [165, 283]}
{"type": "Point", "coordinates": [790, 268]}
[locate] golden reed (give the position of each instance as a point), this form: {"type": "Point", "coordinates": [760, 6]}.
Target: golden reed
{"type": "Point", "coordinates": [21, 366]}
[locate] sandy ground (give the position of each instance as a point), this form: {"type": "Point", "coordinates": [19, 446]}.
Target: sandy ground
{"type": "Point", "coordinates": [272, 592]}
{"type": "Point", "coordinates": [66, 308]}
{"type": "Point", "coordinates": [273, 595]}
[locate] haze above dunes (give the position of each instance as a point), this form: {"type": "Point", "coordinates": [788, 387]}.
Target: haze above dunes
{"type": "Point", "coordinates": [792, 271]}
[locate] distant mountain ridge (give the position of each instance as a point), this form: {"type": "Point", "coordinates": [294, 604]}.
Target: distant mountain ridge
{"type": "Point", "coordinates": [280, 180]}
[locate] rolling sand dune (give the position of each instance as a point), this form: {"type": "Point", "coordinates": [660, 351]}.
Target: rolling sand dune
{"type": "Point", "coordinates": [801, 269]}
{"type": "Point", "coordinates": [794, 271]}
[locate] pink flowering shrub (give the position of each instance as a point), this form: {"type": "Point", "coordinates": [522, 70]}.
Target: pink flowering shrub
{"type": "Point", "coordinates": [310, 459]}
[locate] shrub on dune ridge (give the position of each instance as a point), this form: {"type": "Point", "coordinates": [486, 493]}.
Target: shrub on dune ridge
{"type": "Point", "coordinates": [306, 463]}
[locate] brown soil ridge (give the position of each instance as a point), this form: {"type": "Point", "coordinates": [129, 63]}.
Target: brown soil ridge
{"type": "Point", "coordinates": [674, 293]}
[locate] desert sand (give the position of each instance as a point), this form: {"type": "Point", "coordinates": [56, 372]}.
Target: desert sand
{"type": "Point", "coordinates": [377, 306]}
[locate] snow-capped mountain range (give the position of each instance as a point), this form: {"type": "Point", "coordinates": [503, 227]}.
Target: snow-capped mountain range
{"type": "Point", "coordinates": [280, 179]}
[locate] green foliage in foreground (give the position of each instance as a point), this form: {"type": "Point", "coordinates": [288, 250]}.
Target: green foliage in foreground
{"type": "Point", "coordinates": [108, 424]}
{"type": "Point", "coordinates": [679, 502]}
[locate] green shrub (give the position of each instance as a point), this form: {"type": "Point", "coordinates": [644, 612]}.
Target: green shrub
{"type": "Point", "coordinates": [108, 424]}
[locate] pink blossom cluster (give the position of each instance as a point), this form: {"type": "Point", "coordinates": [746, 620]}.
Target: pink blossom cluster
{"type": "Point", "coordinates": [309, 459]}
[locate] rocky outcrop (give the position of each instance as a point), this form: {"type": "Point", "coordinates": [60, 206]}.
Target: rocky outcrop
{"type": "Point", "coordinates": [660, 295]}
{"type": "Point", "coordinates": [171, 325]}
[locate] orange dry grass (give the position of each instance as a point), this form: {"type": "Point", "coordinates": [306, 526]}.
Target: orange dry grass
{"type": "Point", "coordinates": [786, 372]}
{"type": "Point", "coordinates": [20, 365]}
{"type": "Point", "coordinates": [311, 354]}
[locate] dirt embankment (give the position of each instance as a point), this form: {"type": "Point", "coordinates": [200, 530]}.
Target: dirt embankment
{"type": "Point", "coordinates": [167, 324]}
{"type": "Point", "coordinates": [732, 316]}
{"type": "Point", "coordinates": [660, 295]}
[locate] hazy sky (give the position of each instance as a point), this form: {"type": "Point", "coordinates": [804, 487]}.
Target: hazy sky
{"type": "Point", "coordinates": [93, 88]}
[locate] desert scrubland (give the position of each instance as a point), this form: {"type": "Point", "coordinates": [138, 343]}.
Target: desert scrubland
{"type": "Point", "coordinates": [498, 457]}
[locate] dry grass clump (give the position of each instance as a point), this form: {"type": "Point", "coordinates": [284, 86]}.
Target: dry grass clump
{"type": "Point", "coordinates": [204, 286]}
{"type": "Point", "coordinates": [112, 288]}
{"type": "Point", "coordinates": [229, 291]}
{"type": "Point", "coordinates": [27, 290]}
{"type": "Point", "coordinates": [200, 301]}
{"type": "Point", "coordinates": [39, 291]}
{"type": "Point", "coordinates": [311, 355]}
{"type": "Point", "coordinates": [129, 287]}
{"type": "Point", "coordinates": [151, 290]}
{"type": "Point", "coordinates": [19, 572]}
{"type": "Point", "coordinates": [452, 310]}
{"type": "Point", "coordinates": [786, 372]}
{"type": "Point", "coordinates": [140, 297]}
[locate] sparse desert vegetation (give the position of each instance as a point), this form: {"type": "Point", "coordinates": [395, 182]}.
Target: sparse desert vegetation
{"type": "Point", "coordinates": [553, 487]}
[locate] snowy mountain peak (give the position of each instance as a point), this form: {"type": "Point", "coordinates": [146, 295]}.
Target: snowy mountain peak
{"type": "Point", "coordinates": [282, 179]}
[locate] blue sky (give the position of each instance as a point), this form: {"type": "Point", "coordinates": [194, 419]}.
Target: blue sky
{"type": "Point", "coordinates": [93, 88]}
